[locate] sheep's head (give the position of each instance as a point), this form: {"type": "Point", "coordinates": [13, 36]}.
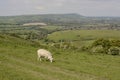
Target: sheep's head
{"type": "Point", "coordinates": [50, 58]}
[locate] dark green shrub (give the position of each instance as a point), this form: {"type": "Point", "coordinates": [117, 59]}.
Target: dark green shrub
{"type": "Point", "coordinates": [114, 51]}
{"type": "Point", "coordinates": [97, 49]}
{"type": "Point", "coordinates": [105, 43]}
{"type": "Point", "coordinates": [115, 43]}
{"type": "Point", "coordinates": [85, 48]}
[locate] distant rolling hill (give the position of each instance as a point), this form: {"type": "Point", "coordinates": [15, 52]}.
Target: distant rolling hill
{"type": "Point", "coordinates": [72, 20]}
{"type": "Point", "coordinates": [75, 18]}
{"type": "Point", "coordinates": [41, 18]}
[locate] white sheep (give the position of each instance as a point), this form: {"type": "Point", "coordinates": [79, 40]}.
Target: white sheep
{"type": "Point", "coordinates": [44, 53]}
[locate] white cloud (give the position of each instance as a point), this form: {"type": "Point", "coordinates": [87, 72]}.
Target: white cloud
{"type": "Point", "coordinates": [40, 8]}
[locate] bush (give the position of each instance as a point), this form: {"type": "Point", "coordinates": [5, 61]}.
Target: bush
{"type": "Point", "coordinates": [114, 51]}
{"type": "Point", "coordinates": [104, 43]}
{"type": "Point", "coordinates": [97, 49]}
{"type": "Point", "coordinates": [85, 48]}
{"type": "Point", "coordinates": [115, 43]}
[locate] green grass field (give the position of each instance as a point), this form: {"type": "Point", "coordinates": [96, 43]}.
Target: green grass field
{"type": "Point", "coordinates": [84, 37]}
{"type": "Point", "coordinates": [84, 34]}
{"type": "Point", "coordinates": [18, 61]}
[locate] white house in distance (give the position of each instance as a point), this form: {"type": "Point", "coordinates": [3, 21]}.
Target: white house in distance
{"type": "Point", "coordinates": [35, 24]}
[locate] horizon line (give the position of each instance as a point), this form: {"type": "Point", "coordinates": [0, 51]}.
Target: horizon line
{"type": "Point", "coordinates": [53, 14]}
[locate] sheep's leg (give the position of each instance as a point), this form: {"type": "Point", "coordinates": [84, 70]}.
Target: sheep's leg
{"type": "Point", "coordinates": [51, 61]}
{"type": "Point", "coordinates": [46, 57]}
{"type": "Point", "coordinates": [39, 58]}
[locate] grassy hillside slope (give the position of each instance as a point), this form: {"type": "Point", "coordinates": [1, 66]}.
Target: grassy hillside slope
{"type": "Point", "coordinates": [18, 61]}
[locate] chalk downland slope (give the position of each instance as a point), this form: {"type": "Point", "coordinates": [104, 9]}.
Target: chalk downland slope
{"type": "Point", "coordinates": [18, 61]}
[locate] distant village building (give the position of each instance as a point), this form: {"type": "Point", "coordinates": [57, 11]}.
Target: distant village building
{"type": "Point", "coordinates": [35, 24]}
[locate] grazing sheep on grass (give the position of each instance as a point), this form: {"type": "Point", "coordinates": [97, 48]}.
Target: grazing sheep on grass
{"type": "Point", "coordinates": [44, 53]}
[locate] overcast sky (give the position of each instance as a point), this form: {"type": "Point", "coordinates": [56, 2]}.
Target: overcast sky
{"type": "Point", "coordinates": [83, 7]}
